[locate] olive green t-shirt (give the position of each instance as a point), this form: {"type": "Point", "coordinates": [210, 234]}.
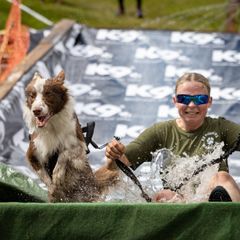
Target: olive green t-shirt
{"type": "Point", "coordinates": [168, 135]}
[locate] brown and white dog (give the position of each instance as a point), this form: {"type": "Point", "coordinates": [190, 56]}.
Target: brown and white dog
{"type": "Point", "coordinates": [57, 150]}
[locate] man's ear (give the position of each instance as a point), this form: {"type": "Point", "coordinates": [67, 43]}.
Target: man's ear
{"type": "Point", "coordinates": [174, 100]}
{"type": "Point", "coordinates": [210, 102]}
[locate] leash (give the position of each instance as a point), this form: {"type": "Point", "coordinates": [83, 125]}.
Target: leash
{"type": "Point", "coordinates": [204, 166]}
{"type": "Point", "coordinates": [89, 130]}
{"type": "Point", "coordinates": [131, 175]}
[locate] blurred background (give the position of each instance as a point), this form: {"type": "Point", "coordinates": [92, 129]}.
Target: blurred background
{"type": "Point", "coordinates": [193, 15]}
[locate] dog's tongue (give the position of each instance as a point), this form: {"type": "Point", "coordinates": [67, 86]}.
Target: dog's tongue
{"type": "Point", "coordinates": [41, 121]}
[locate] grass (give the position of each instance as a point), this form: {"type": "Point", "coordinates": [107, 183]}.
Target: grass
{"type": "Point", "coordinates": [194, 15]}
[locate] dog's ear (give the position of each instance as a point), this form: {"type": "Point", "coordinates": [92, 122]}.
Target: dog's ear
{"type": "Point", "coordinates": [34, 78]}
{"type": "Point", "coordinates": [36, 75]}
{"type": "Point", "coordinates": [60, 77]}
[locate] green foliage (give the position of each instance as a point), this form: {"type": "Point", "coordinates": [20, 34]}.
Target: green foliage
{"type": "Point", "coordinates": [197, 15]}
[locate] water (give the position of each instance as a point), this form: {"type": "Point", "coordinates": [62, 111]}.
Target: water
{"type": "Point", "coordinates": [171, 171]}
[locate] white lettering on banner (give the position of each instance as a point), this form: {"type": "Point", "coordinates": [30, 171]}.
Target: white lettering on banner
{"type": "Point", "coordinates": [100, 110]}
{"type": "Point", "coordinates": [164, 111]}
{"type": "Point", "coordinates": [81, 89]}
{"type": "Point", "coordinates": [107, 70]}
{"type": "Point", "coordinates": [225, 93]}
{"type": "Point", "coordinates": [229, 56]}
{"type": "Point", "coordinates": [236, 93]}
{"type": "Point", "coordinates": [123, 130]}
{"type": "Point", "coordinates": [148, 91]}
{"type": "Point", "coordinates": [157, 53]}
{"type": "Point", "coordinates": [196, 38]}
{"type": "Point", "coordinates": [119, 35]}
{"type": "Point", "coordinates": [175, 72]}
{"type": "Point", "coordinates": [71, 40]}
{"type": "Point", "coordinates": [88, 51]}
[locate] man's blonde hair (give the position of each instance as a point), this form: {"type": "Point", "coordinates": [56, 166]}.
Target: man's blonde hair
{"type": "Point", "coordinates": [193, 77]}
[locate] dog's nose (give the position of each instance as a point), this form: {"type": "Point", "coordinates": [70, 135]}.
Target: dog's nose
{"type": "Point", "coordinates": [37, 111]}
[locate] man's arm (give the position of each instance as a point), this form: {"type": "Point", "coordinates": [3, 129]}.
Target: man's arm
{"type": "Point", "coordinates": [116, 150]}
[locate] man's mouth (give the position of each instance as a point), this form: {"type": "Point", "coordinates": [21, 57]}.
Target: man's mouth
{"type": "Point", "coordinates": [192, 112]}
{"type": "Point", "coordinates": [41, 121]}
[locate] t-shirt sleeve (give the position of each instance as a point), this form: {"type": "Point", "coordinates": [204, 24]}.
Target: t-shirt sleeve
{"type": "Point", "coordinates": [141, 149]}
{"type": "Point", "coordinates": [231, 133]}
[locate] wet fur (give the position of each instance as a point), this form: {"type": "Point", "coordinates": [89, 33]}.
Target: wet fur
{"type": "Point", "coordinates": [57, 150]}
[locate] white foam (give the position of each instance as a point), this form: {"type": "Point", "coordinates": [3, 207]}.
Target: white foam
{"type": "Point", "coordinates": [180, 172]}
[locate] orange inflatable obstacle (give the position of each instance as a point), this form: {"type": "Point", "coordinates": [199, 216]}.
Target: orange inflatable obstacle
{"type": "Point", "coordinates": [14, 41]}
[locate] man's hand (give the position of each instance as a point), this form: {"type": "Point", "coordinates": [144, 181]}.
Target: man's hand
{"type": "Point", "coordinates": [115, 150]}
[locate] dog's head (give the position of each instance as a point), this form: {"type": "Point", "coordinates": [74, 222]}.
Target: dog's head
{"type": "Point", "coordinates": [44, 99]}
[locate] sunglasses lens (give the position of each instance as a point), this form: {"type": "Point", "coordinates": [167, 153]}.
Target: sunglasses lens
{"type": "Point", "coordinates": [184, 99]}
{"type": "Point", "coordinates": [197, 99]}
{"type": "Point", "coordinates": [201, 99]}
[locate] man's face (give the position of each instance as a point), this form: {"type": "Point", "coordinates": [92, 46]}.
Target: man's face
{"type": "Point", "coordinates": [192, 115]}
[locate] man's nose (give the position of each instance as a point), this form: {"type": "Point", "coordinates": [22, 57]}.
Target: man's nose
{"type": "Point", "coordinates": [191, 104]}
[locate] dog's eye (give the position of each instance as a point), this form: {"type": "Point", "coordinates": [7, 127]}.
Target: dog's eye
{"type": "Point", "coordinates": [47, 93]}
{"type": "Point", "coordinates": [31, 95]}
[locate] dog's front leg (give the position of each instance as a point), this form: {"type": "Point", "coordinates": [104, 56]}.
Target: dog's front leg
{"type": "Point", "coordinates": [73, 179]}
{"type": "Point", "coordinates": [59, 170]}
{"type": "Point", "coordinates": [36, 165]}
{"type": "Point", "coordinates": [57, 190]}
{"type": "Point", "coordinates": [43, 175]}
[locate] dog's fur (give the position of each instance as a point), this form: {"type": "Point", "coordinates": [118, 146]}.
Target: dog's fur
{"type": "Point", "coordinates": [57, 150]}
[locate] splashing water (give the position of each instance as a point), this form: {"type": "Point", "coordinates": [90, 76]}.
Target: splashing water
{"type": "Point", "coordinates": [169, 171]}
{"type": "Point", "coordinates": [179, 173]}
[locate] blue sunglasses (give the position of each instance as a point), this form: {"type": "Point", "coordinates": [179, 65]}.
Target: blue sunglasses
{"type": "Point", "coordinates": [197, 99]}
